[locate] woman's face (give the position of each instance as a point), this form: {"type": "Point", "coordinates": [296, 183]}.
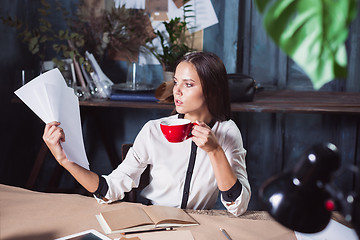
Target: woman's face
{"type": "Point", "coordinates": [188, 92]}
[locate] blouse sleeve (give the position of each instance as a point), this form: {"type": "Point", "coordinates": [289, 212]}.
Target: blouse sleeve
{"type": "Point", "coordinates": [127, 175]}
{"type": "Point", "coordinates": [235, 153]}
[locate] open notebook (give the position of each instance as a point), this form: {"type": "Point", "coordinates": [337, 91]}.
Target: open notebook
{"type": "Point", "coordinates": [136, 218]}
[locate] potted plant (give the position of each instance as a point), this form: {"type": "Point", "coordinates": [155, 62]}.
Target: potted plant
{"type": "Point", "coordinates": [175, 42]}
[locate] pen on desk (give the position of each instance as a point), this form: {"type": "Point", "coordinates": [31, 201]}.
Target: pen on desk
{"type": "Point", "coordinates": [149, 230]}
{"type": "Point", "coordinates": [225, 233]}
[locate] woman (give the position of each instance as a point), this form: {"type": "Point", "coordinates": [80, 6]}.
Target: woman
{"type": "Point", "coordinates": [187, 174]}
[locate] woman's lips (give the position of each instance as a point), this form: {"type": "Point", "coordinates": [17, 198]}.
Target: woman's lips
{"type": "Point", "coordinates": [178, 102]}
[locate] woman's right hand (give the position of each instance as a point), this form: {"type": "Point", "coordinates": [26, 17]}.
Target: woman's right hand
{"type": "Point", "coordinates": [53, 135]}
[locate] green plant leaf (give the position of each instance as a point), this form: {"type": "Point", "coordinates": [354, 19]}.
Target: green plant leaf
{"type": "Point", "coordinates": [34, 45]}
{"type": "Point", "coordinates": [312, 33]}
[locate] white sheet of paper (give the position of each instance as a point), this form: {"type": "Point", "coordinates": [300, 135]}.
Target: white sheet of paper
{"type": "Point", "coordinates": [165, 235]}
{"type": "Point", "coordinates": [203, 11]}
{"type": "Point", "coordinates": [51, 99]}
{"type": "Point", "coordinates": [333, 231]}
{"type": "Point", "coordinates": [137, 4]}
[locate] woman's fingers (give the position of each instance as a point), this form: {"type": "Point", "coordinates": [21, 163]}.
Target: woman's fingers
{"type": "Point", "coordinates": [204, 137]}
{"type": "Point", "coordinates": [201, 130]}
{"type": "Point", "coordinates": [49, 128]}
{"type": "Point", "coordinates": [53, 133]}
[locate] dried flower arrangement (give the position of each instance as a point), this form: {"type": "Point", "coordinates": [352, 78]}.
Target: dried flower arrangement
{"type": "Point", "coordinates": [118, 30]}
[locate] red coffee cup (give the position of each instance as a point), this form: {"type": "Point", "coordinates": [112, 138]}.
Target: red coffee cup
{"type": "Point", "coordinates": [177, 130]}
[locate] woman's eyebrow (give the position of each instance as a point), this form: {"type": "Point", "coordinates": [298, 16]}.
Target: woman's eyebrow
{"type": "Point", "coordinates": [189, 79]}
{"type": "Point", "coordinates": [186, 79]}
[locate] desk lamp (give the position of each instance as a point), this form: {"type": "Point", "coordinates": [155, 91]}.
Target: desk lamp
{"type": "Point", "coordinates": [303, 198]}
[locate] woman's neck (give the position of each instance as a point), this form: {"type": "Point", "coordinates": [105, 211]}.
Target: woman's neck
{"type": "Point", "coordinates": [206, 117]}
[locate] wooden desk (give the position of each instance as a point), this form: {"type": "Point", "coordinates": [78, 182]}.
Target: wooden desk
{"type": "Point", "coordinates": [33, 215]}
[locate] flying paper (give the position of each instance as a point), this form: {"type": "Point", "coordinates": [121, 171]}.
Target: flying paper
{"type": "Point", "coordinates": [51, 99]}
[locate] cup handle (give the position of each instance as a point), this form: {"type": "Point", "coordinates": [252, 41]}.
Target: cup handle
{"type": "Point", "coordinates": [192, 125]}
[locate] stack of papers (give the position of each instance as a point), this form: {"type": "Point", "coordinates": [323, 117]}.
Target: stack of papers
{"type": "Point", "coordinates": [51, 99]}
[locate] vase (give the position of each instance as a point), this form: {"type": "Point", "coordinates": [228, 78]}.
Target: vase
{"type": "Point", "coordinates": [135, 76]}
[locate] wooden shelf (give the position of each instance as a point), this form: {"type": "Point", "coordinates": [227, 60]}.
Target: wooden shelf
{"type": "Point", "coordinates": [302, 102]}
{"type": "Point", "coordinates": [268, 101]}
{"type": "Point", "coordinates": [125, 104]}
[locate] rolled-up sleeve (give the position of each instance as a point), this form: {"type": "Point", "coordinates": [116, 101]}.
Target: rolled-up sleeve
{"type": "Point", "coordinates": [235, 153]}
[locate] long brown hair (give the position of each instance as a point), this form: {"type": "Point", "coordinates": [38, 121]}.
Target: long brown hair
{"type": "Point", "coordinates": [214, 82]}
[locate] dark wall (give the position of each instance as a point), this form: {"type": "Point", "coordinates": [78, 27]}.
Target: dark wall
{"type": "Point", "coordinates": [20, 129]}
{"type": "Point", "coordinates": [274, 141]}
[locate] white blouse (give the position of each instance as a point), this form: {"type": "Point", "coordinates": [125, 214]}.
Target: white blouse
{"type": "Point", "coordinates": [168, 165]}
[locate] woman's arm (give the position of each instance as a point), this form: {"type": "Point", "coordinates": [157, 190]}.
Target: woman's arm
{"type": "Point", "coordinates": [205, 139]}
{"type": "Point", "coordinates": [53, 135]}
{"type": "Point", "coordinates": [230, 174]}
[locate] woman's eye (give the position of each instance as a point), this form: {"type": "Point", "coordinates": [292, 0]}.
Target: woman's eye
{"type": "Point", "coordinates": [175, 82]}
{"type": "Point", "coordinates": [188, 84]}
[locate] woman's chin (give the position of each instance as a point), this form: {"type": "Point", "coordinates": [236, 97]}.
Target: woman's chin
{"type": "Point", "coordinates": [179, 110]}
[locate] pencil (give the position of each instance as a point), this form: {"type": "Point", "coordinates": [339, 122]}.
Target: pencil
{"type": "Point", "coordinates": [225, 233]}
{"type": "Point", "coordinates": [149, 230]}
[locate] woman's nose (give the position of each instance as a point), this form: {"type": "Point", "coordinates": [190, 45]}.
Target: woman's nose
{"type": "Point", "coordinates": [177, 90]}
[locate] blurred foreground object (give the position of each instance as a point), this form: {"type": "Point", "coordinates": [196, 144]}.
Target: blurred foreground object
{"type": "Point", "coordinates": [303, 198]}
{"type": "Point", "coordinates": [312, 33]}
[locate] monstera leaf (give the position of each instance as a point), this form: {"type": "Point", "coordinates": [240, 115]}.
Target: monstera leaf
{"type": "Point", "coordinates": [312, 33]}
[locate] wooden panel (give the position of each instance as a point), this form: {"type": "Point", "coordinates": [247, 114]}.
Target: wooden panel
{"type": "Point", "coordinates": [357, 157]}
{"type": "Point", "coordinates": [276, 142]}
{"type": "Point", "coordinates": [262, 136]}
{"type": "Point", "coordinates": [354, 56]}
{"type": "Point", "coordinates": [346, 141]}
{"type": "Point", "coordinates": [222, 38]}
{"type": "Point", "coordinates": [266, 61]}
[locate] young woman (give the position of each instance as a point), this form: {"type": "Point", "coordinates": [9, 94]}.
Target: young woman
{"type": "Point", "coordinates": [187, 174]}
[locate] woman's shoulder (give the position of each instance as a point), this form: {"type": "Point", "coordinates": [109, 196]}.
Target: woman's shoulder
{"type": "Point", "coordinates": [228, 127]}
{"type": "Point", "coordinates": [228, 124]}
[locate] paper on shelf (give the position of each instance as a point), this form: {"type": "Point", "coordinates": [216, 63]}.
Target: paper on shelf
{"type": "Point", "coordinates": [51, 99]}
{"type": "Point", "coordinates": [202, 10]}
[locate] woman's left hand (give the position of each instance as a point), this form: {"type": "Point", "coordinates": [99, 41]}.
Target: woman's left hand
{"type": "Point", "coordinates": [204, 138]}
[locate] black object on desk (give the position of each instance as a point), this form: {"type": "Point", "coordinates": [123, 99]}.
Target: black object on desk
{"type": "Point", "coordinates": [302, 199]}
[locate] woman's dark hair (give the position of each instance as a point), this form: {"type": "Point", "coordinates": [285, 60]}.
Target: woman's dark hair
{"type": "Point", "coordinates": [213, 77]}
